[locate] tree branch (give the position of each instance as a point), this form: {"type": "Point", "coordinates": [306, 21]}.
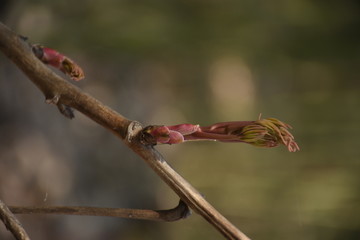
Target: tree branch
{"type": "Point", "coordinates": [60, 92]}
{"type": "Point", "coordinates": [11, 223]}
{"type": "Point", "coordinates": [179, 212]}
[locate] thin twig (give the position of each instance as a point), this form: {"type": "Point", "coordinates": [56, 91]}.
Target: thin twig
{"type": "Point", "coordinates": [179, 212]}
{"type": "Point", "coordinates": [60, 92]}
{"type": "Point", "coordinates": [11, 223]}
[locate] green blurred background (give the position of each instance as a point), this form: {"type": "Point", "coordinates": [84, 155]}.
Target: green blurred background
{"type": "Point", "coordinates": [169, 62]}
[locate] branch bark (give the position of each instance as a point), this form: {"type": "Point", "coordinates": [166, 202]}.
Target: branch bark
{"type": "Point", "coordinates": [11, 223]}
{"type": "Point", "coordinates": [60, 92]}
{"type": "Point", "coordinates": [179, 212]}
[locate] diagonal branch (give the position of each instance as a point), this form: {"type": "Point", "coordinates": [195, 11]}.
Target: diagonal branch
{"type": "Point", "coordinates": [58, 91]}
{"type": "Point", "coordinates": [11, 223]}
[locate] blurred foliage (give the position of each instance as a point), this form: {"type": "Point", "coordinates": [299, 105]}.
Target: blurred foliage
{"type": "Point", "coordinates": [169, 62]}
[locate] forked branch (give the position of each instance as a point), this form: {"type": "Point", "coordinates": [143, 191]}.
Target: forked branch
{"type": "Point", "coordinates": [60, 92]}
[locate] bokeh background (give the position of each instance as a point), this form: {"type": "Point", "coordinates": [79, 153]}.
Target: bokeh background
{"type": "Point", "coordinates": [169, 62]}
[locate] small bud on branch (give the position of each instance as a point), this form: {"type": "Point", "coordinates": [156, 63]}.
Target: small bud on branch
{"type": "Point", "coordinates": [63, 63]}
{"type": "Point", "coordinates": [268, 132]}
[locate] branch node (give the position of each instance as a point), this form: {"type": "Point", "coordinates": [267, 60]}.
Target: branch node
{"type": "Point", "coordinates": [147, 139]}
{"type": "Point", "coordinates": [24, 38]}
{"type": "Point", "coordinates": [187, 211]}
{"type": "Point", "coordinates": [133, 130]}
{"type": "Point", "coordinates": [66, 110]}
{"type": "Point", "coordinates": [53, 100]}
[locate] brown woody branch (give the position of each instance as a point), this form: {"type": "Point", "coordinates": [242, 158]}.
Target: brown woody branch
{"type": "Point", "coordinates": [60, 92]}
{"type": "Point", "coordinates": [11, 223]}
{"type": "Point", "coordinates": [179, 212]}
